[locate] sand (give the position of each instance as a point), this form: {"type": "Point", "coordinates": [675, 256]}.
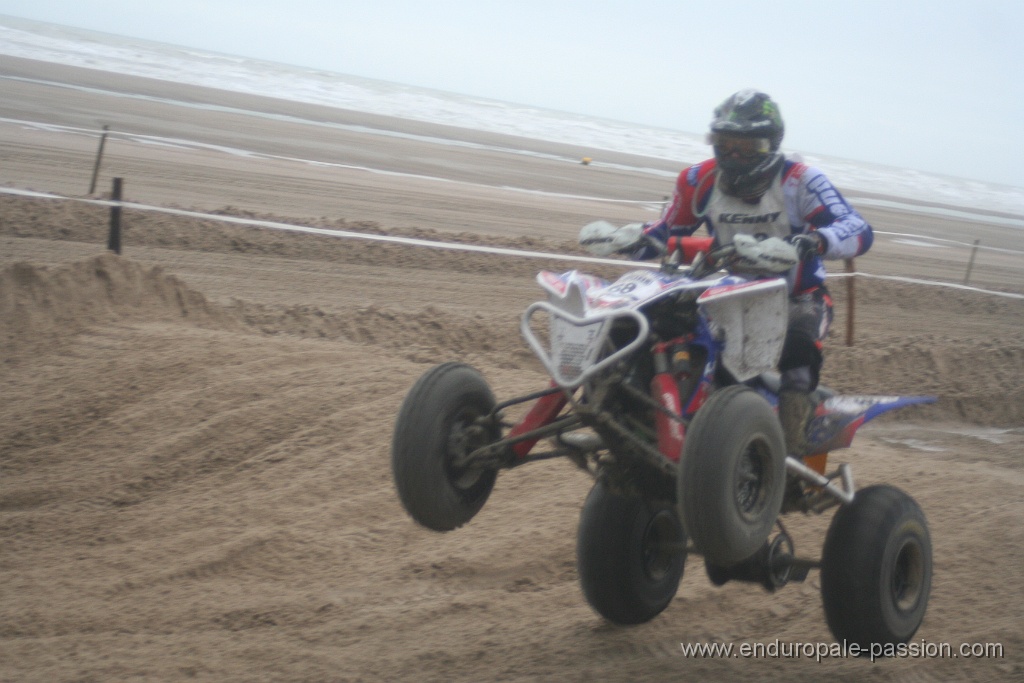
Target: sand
{"type": "Point", "coordinates": [194, 436]}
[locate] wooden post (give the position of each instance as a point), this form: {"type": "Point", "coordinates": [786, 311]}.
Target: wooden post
{"type": "Point", "coordinates": [851, 300]}
{"type": "Point", "coordinates": [99, 158]}
{"type": "Point", "coordinates": [114, 241]}
{"type": "Point", "coordinates": [970, 263]}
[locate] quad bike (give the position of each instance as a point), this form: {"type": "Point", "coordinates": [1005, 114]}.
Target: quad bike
{"type": "Point", "coordinates": [663, 389]}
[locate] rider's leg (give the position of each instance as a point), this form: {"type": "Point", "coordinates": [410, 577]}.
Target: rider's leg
{"type": "Point", "coordinates": [795, 412]}
{"type": "Point", "coordinates": [800, 365]}
{"type": "Point", "coordinates": [796, 408]}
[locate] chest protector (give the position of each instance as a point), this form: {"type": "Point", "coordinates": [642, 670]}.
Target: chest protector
{"type": "Point", "coordinates": [730, 216]}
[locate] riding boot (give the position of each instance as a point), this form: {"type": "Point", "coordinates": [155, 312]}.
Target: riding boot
{"type": "Point", "coordinates": [795, 411]}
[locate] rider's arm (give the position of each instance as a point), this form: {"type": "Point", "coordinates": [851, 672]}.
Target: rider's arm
{"type": "Point", "coordinates": [678, 218]}
{"type": "Point", "coordinates": [845, 232]}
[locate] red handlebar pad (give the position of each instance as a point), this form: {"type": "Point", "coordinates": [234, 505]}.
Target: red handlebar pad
{"type": "Point", "coordinates": [689, 246]}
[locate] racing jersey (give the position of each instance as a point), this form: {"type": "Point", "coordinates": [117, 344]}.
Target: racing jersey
{"type": "Point", "coordinates": [801, 199]}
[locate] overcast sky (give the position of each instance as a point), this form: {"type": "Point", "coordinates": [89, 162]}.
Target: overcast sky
{"type": "Point", "coordinates": [935, 85]}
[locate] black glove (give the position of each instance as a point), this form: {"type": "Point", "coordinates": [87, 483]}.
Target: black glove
{"type": "Point", "coordinates": [808, 245]}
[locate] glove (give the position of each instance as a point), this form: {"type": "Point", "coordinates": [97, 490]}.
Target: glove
{"type": "Point", "coordinates": [808, 245]}
{"type": "Point", "coordinates": [601, 238]}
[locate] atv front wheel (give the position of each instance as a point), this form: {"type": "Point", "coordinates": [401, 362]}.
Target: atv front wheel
{"type": "Point", "coordinates": [438, 422]}
{"type": "Point", "coordinates": [630, 555]}
{"type": "Point", "coordinates": [876, 568]}
{"type": "Point", "coordinates": [732, 475]}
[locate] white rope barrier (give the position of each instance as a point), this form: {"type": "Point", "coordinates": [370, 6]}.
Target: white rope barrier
{"type": "Point", "coordinates": [650, 204]}
{"type": "Point", "coordinates": [451, 246]}
{"type": "Point", "coordinates": [274, 225]}
{"type": "Point", "coordinates": [933, 283]}
{"type": "Point", "coordinates": [969, 245]}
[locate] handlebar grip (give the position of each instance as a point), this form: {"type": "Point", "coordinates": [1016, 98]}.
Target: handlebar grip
{"type": "Point", "coordinates": [689, 247]}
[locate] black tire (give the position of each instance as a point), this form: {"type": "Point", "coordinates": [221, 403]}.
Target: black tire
{"type": "Point", "coordinates": [630, 554]}
{"type": "Point", "coordinates": [732, 475]}
{"type": "Point", "coordinates": [876, 568]}
{"type": "Point", "coordinates": [431, 428]}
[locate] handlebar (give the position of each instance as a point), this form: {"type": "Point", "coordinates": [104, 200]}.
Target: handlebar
{"type": "Point", "coordinates": [746, 254]}
{"type": "Point", "coordinates": [750, 254]}
{"type": "Point", "coordinates": [696, 251]}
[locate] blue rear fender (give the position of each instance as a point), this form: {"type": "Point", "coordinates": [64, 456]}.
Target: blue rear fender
{"type": "Point", "coordinates": [838, 418]}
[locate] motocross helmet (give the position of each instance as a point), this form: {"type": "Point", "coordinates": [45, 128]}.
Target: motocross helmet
{"type": "Point", "coordinates": [746, 133]}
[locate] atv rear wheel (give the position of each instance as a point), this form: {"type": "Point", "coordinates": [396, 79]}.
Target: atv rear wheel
{"type": "Point", "coordinates": [438, 422]}
{"type": "Point", "coordinates": [876, 568]}
{"type": "Point", "coordinates": [630, 555]}
{"type": "Point", "coordinates": [732, 475]}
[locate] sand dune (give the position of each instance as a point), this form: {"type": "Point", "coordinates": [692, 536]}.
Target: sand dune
{"type": "Point", "coordinates": [198, 486]}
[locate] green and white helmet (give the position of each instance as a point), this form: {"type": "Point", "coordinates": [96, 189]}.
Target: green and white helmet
{"type": "Point", "coordinates": [746, 133]}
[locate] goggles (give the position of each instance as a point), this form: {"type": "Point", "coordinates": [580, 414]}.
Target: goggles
{"type": "Point", "coordinates": [728, 145]}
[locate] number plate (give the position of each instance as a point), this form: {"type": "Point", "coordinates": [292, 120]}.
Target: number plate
{"type": "Point", "coordinates": [574, 347]}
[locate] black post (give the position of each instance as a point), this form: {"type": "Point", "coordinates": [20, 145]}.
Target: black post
{"type": "Point", "coordinates": [970, 263]}
{"type": "Point", "coordinates": [99, 158]}
{"type": "Point", "coordinates": [114, 242]}
{"type": "Point", "coordinates": [851, 300]}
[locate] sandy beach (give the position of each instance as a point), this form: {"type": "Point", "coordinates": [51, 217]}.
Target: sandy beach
{"type": "Point", "coordinates": [195, 435]}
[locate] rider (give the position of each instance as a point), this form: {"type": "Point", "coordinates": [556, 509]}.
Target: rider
{"type": "Point", "coordinates": [749, 187]}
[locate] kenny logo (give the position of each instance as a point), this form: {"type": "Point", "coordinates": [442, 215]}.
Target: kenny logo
{"type": "Point", "coordinates": [746, 218]}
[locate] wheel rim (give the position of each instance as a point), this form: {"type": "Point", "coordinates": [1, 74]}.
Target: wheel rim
{"type": "Point", "coordinates": [659, 545]}
{"type": "Point", "coordinates": [464, 437]}
{"type": "Point", "coordinates": [908, 575]}
{"type": "Point", "coordinates": [752, 479]}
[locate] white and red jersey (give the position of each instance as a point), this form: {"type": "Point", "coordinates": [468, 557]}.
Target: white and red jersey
{"type": "Point", "coordinates": [801, 199]}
